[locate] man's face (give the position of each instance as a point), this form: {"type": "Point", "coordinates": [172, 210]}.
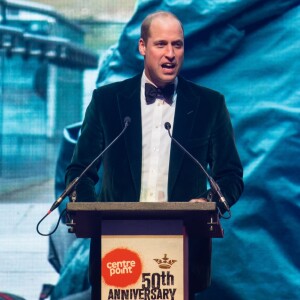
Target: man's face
{"type": "Point", "coordinates": [164, 51]}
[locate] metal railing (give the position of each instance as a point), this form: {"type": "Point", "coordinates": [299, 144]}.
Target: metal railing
{"type": "Point", "coordinates": [15, 40]}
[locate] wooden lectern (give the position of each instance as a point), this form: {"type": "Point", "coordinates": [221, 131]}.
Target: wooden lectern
{"type": "Point", "coordinates": [140, 250]}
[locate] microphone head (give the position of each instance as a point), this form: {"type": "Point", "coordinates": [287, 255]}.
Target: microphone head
{"type": "Point", "coordinates": [127, 120]}
{"type": "Point", "coordinates": [167, 125]}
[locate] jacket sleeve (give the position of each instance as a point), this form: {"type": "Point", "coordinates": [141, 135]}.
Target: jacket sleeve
{"type": "Point", "coordinates": [88, 147]}
{"type": "Point", "coordinates": [223, 158]}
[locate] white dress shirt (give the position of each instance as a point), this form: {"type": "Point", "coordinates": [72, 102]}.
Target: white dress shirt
{"type": "Point", "coordinates": [156, 145]}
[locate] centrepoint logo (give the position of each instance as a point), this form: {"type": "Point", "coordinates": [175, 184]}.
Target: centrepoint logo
{"type": "Point", "coordinates": [121, 267]}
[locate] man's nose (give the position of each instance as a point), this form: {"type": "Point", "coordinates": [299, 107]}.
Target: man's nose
{"type": "Point", "coordinates": [170, 54]}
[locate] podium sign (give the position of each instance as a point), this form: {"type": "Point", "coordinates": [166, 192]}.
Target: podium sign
{"type": "Point", "coordinates": [143, 252]}
{"type": "Point", "coordinates": [148, 265]}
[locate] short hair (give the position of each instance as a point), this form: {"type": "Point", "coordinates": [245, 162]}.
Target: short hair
{"type": "Point", "coordinates": [145, 27]}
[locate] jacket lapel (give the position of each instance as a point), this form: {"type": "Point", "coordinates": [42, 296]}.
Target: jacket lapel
{"type": "Point", "coordinates": [185, 114]}
{"type": "Point", "coordinates": [130, 105]}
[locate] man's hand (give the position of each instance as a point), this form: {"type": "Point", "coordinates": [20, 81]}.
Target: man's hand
{"type": "Point", "coordinates": [198, 200]}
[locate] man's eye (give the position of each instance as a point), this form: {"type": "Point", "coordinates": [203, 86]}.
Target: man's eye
{"type": "Point", "coordinates": [178, 45]}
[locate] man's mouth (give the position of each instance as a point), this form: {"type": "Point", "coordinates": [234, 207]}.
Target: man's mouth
{"type": "Point", "coordinates": [169, 66]}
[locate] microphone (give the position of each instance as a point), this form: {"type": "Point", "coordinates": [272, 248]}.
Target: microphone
{"type": "Point", "coordinates": [71, 187]}
{"type": "Point", "coordinates": [213, 184]}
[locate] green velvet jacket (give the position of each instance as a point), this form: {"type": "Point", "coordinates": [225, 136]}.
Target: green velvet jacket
{"type": "Point", "coordinates": [201, 124]}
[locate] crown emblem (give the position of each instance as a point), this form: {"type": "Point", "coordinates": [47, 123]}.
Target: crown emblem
{"type": "Point", "coordinates": [165, 262]}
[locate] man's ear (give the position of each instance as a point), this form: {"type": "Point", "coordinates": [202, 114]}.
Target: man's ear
{"type": "Point", "coordinates": [142, 47]}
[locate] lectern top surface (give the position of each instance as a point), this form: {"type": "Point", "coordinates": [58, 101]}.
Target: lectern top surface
{"type": "Point", "coordinates": [144, 206]}
{"type": "Point", "coordinates": [198, 218]}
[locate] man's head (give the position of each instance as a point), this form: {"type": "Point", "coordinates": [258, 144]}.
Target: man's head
{"type": "Point", "coordinates": [162, 45]}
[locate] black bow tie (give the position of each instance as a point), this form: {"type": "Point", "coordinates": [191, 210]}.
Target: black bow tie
{"type": "Point", "coordinates": [166, 93]}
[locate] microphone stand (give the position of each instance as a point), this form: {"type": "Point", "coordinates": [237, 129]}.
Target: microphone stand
{"type": "Point", "coordinates": [71, 188]}
{"type": "Point", "coordinates": [213, 184]}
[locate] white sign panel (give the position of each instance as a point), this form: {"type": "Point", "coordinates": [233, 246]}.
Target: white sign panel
{"type": "Point", "coordinates": [142, 267]}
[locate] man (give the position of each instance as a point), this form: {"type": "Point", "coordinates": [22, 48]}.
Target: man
{"type": "Point", "coordinates": [144, 165]}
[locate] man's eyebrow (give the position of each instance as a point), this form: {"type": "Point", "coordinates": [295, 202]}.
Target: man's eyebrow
{"type": "Point", "coordinates": [160, 41]}
{"type": "Point", "coordinates": [178, 41]}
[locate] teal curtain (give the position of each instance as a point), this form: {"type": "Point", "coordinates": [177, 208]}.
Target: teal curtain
{"type": "Point", "coordinates": [249, 51]}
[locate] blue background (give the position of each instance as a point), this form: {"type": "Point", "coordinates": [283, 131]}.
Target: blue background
{"type": "Point", "coordinates": [247, 50]}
